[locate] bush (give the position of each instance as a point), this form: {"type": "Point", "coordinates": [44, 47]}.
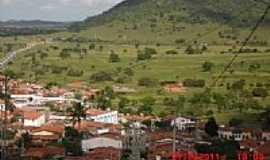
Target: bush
{"type": "Point", "coordinates": [180, 41]}
{"type": "Point", "coordinates": [143, 56]}
{"type": "Point", "coordinates": [92, 46]}
{"type": "Point", "coordinates": [128, 71]}
{"type": "Point", "coordinates": [114, 58]}
{"type": "Point", "coordinates": [150, 51]}
{"type": "Point", "coordinates": [64, 55]}
{"type": "Point", "coordinates": [172, 52]}
{"type": "Point", "coordinates": [75, 73]}
{"type": "Point", "coordinates": [101, 76]}
{"type": "Point", "coordinates": [147, 82]}
{"type": "Point", "coordinates": [207, 66]}
{"type": "Point", "coordinates": [57, 69]}
{"type": "Point", "coordinates": [194, 83]}
{"type": "Point", "coordinates": [260, 92]}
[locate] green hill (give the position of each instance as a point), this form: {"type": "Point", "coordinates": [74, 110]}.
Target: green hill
{"type": "Point", "coordinates": [165, 21]}
{"type": "Point", "coordinates": [233, 12]}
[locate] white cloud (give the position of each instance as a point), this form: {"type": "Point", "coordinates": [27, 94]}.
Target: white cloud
{"type": "Point", "coordinates": [5, 2]}
{"type": "Point", "coordinates": [48, 7]}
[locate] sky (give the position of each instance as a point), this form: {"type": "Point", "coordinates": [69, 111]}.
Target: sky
{"type": "Point", "coordinates": [53, 10]}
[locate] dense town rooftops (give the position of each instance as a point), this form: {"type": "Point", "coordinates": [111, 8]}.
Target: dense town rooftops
{"type": "Point", "coordinates": [96, 112]}
{"type": "Point", "coordinates": [31, 115]}
{"type": "Point", "coordinates": [57, 128]}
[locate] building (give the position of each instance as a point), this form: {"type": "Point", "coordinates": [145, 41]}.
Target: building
{"type": "Point", "coordinates": [266, 136]}
{"type": "Point", "coordinates": [33, 119]}
{"type": "Point", "coordinates": [101, 116]}
{"type": "Point", "coordinates": [234, 134]}
{"type": "Point", "coordinates": [51, 132]}
{"type": "Point", "coordinates": [102, 141]}
{"type": "Point", "coordinates": [97, 128]}
{"type": "Point", "coordinates": [44, 152]}
{"type": "Point", "coordinates": [184, 123]}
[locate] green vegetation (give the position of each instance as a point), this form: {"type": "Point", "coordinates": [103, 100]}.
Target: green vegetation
{"type": "Point", "coordinates": [142, 43]}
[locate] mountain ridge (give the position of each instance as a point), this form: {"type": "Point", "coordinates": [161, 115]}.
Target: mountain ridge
{"type": "Point", "coordinates": [236, 12]}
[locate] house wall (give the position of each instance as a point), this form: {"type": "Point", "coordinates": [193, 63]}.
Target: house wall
{"type": "Point", "coordinates": [266, 136]}
{"type": "Point", "coordinates": [100, 142]}
{"type": "Point", "coordinates": [110, 117]}
{"type": "Point", "coordinates": [43, 133]}
{"type": "Point", "coordinates": [36, 122]}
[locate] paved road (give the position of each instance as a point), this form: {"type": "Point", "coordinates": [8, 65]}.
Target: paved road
{"type": "Point", "coordinates": [11, 55]}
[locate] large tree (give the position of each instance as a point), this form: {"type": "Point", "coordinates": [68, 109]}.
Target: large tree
{"type": "Point", "coordinates": [211, 127]}
{"type": "Point", "coordinates": [77, 112]}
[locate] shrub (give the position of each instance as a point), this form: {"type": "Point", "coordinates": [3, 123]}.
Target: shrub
{"type": "Point", "coordinates": [101, 76]}
{"type": "Point", "coordinates": [207, 66]}
{"type": "Point", "coordinates": [147, 82]}
{"type": "Point", "coordinates": [114, 58]}
{"type": "Point", "coordinates": [150, 51]}
{"type": "Point", "coordinates": [75, 73]}
{"type": "Point", "coordinates": [143, 56]}
{"type": "Point", "coordinates": [194, 83]}
{"type": "Point", "coordinates": [172, 52]}
{"type": "Point", "coordinates": [260, 92]}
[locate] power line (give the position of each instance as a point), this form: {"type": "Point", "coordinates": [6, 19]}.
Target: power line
{"type": "Point", "coordinates": [228, 66]}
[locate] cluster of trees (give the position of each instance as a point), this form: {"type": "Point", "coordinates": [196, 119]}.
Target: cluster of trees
{"type": "Point", "coordinates": [207, 66]}
{"type": "Point", "coordinates": [171, 52]}
{"type": "Point", "coordinates": [75, 73]}
{"type": "Point", "coordinates": [144, 105]}
{"type": "Point", "coordinates": [260, 92]}
{"type": "Point", "coordinates": [120, 75]}
{"type": "Point", "coordinates": [147, 82]}
{"type": "Point", "coordinates": [101, 76]}
{"type": "Point", "coordinates": [114, 58]}
{"type": "Point", "coordinates": [104, 99]}
{"type": "Point", "coordinates": [196, 49]}
{"type": "Point", "coordinates": [194, 83]}
{"type": "Point", "coordinates": [146, 54]}
{"type": "Point", "coordinates": [7, 32]}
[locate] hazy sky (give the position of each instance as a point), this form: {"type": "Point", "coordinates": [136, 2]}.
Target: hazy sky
{"type": "Point", "coordinates": [55, 10]}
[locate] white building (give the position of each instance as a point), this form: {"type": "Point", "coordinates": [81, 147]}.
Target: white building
{"type": "Point", "coordinates": [33, 119]}
{"type": "Point", "coordinates": [35, 100]}
{"type": "Point", "coordinates": [101, 116]}
{"type": "Point", "coordinates": [183, 123]}
{"type": "Point", "coordinates": [100, 142]}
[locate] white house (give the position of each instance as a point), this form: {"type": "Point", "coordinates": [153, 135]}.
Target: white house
{"type": "Point", "coordinates": [35, 100]}
{"type": "Point", "coordinates": [101, 116]}
{"type": "Point", "coordinates": [234, 134]}
{"type": "Point", "coordinates": [33, 119]}
{"type": "Point", "coordinates": [183, 123]}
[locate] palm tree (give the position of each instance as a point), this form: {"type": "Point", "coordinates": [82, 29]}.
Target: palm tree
{"type": "Point", "coordinates": [77, 112]}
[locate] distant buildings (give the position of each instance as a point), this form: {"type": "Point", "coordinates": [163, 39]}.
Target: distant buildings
{"type": "Point", "coordinates": [184, 123]}
{"type": "Point", "coordinates": [98, 115]}
{"type": "Point", "coordinates": [33, 119]}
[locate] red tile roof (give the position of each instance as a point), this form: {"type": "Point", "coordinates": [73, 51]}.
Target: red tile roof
{"type": "Point", "coordinates": [86, 125]}
{"type": "Point", "coordinates": [32, 115]}
{"type": "Point", "coordinates": [137, 117]}
{"type": "Point", "coordinates": [45, 138]}
{"type": "Point", "coordinates": [41, 152]}
{"type": "Point", "coordinates": [95, 112]}
{"type": "Point", "coordinates": [57, 128]}
{"type": "Point", "coordinates": [99, 154]}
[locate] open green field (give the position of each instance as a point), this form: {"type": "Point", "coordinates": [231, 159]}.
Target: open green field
{"type": "Point", "coordinates": [161, 67]}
